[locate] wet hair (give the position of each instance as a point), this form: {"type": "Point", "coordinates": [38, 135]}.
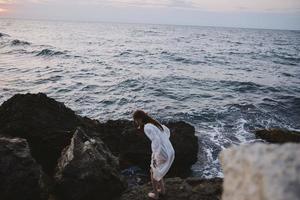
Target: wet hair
{"type": "Point", "coordinates": [145, 118]}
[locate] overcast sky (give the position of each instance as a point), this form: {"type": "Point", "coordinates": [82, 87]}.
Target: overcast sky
{"type": "Point", "coordinates": [274, 14]}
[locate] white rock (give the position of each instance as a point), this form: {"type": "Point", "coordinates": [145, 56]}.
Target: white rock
{"type": "Point", "coordinates": [261, 172]}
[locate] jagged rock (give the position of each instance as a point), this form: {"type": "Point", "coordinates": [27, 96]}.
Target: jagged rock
{"type": "Point", "coordinates": [48, 126]}
{"type": "Point", "coordinates": [133, 147]}
{"type": "Point", "coordinates": [261, 172]}
{"type": "Point", "coordinates": [88, 170]}
{"type": "Point", "coordinates": [278, 135]}
{"type": "Point", "coordinates": [181, 189]}
{"type": "Point", "coordinates": [20, 175]}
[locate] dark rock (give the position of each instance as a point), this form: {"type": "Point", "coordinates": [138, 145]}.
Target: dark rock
{"type": "Point", "coordinates": [135, 176]}
{"type": "Point", "coordinates": [49, 125]}
{"type": "Point", "coordinates": [134, 148]}
{"type": "Point", "coordinates": [278, 135]}
{"type": "Point", "coordinates": [185, 143]}
{"type": "Point", "coordinates": [20, 175]}
{"type": "Point", "coordinates": [181, 189]}
{"type": "Point", "coordinates": [88, 170]}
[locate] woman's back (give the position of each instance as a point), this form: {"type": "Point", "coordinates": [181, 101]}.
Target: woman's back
{"type": "Point", "coordinates": [160, 139]}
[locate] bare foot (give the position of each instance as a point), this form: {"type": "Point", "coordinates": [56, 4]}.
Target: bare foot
{"type": "Point", "coordinates": [152, 195]}
{"type": "Point", "coordinates": [161, 192]}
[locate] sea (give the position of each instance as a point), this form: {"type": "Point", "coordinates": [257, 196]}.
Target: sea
{"type": "Point", "coordinates": [226, 82]}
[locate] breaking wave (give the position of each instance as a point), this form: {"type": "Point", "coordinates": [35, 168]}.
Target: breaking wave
{"type": "Point", "coordinates": [49, 53]}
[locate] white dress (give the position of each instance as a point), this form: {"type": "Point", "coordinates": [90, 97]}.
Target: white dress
{"type": "Point", "coordinates": [162, 150]}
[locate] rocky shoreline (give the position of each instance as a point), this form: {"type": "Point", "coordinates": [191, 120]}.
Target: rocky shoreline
{"type": "Point", "coordinates": [80, 158]}
{"type": "Point", "coordinates": [47, 151]}
{"type": "Point", "coordinates": [278, 136]}
{"type": "Point", "coordinates": [181, 189]}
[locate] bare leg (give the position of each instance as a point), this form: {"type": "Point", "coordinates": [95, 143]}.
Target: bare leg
{"type": "Point", "coordinates": [159, 186]}
{"type": "Point", "coordinates": [162, 186]}
{"type": "Point", "coordinates": [155, 194]}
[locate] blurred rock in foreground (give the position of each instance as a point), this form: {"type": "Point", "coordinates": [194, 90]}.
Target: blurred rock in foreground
{"type": "Point", "coordinates": [20, 175]}
{"type": "Point", "coordinates": [278, 135]}
{"type": "Point", "coordinates": [261, 172]}
{"type": "Point", "coordinates": [181, 189]}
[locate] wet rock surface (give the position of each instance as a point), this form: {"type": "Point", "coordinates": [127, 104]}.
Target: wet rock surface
{"type": "Point", "coordinates": [20, 175]}
{"type": "Point", "coordinates": [278, 135]}
{"type": "Point", "coordinates": [181, 189]}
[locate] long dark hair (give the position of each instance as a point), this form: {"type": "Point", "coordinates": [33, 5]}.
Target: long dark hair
{"type": "Point", "coordinates": [139, 114]}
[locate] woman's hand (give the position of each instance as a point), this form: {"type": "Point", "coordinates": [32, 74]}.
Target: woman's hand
{"type": "Point", "coordinates": [154, 163]}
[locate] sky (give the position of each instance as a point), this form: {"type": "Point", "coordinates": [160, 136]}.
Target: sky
{"type": "Point", "coordinates": [270, 14]}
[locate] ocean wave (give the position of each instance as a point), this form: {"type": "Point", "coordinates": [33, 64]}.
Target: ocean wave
{"type": "Point", "coordinates": [151, 32]}
{"type": "Point", "coordinates": [223, 126]}
{"type": "Point", "coordinates": [241, 86]}
{"type": "Point", "coordinates": [18, 52]}
{"type": "Point", "coordinates": [283, 57]}
{"type": "Point", "coordinates": [242, 107]}
{"type": "Point", "coordinates": [238, 52]}
{"type": "Point", "coordinates": [89, 88]}
{"type": "Point", "coordinates": [281, 42]}
{"type": "Point", "coordinates": [198, 35]}
{"type": "Point", "coordinates": [127, 52]}
{"type": "Point", "coordinates": [147, 32]}
{"type": "Point", "coordinates": [49, 52]}
{"type": "Point", "coordinates": [292, 103]}
{"type": "Point", "coordinates": [130, 83]}
{"type": "Point", "coordinates": [130, 53]}
{"type": "Point", "coordinates": [177, 58]}
{"type": "Point", "coordinates": [3, 35]}
{"type": "Point", "coordinates": [288, 57]}
{"type": "Point", "coordinates": [19, 43]}
{"type": "Point", "coordinates": [234, 42]}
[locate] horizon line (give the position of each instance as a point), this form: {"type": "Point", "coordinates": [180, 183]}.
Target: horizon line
{"type": "Point", "coordinates": [145, 23]}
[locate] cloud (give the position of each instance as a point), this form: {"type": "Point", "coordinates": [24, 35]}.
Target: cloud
{"type": "Point", "coordinates": [238, 13]}
{"type": "Point", "coordinates": [208, 5]}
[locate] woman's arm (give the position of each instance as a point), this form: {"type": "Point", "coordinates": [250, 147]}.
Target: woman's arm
{"type": "Point", "coordinates": [155, 141]}
{"type": "Point", "coordinates": [166, 130]}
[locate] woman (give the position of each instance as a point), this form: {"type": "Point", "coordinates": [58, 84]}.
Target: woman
{"type": "Point", "coordinates": [162, 150]}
